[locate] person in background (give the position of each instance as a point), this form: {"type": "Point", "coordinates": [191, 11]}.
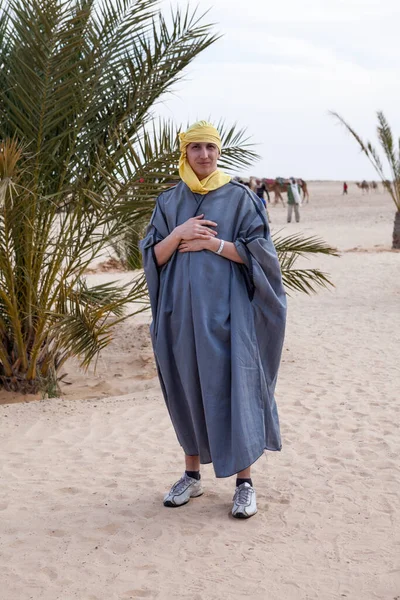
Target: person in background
{"type": "Point", "coordinates": [294, 200]}
{"type": "Point", "coordinates": [345, 188]}
{"type": "Point", "coordinates": [262, 191]}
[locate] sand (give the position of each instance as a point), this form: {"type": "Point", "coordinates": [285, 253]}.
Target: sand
{"type": "Point", "coordinates": [81, 513]}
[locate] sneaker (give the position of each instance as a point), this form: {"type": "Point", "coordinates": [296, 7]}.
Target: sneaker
{"type": "Point", "coordinates": [244, 501]}
{"type": "Point", "coordinates": [182, 491]}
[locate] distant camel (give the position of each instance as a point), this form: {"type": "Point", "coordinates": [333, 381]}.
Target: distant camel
{"type": "Point", "coordinates": [364, 186]}
{"type": "Point", "coordinates": [280, 186]}
{"type": "Point", "coordinates": [374, 185]}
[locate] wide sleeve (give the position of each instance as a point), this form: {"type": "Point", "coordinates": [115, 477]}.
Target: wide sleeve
{"type": "Point", "coordinates": [265, 287]}
{"type": "Point", "coordinates": [156, 231]}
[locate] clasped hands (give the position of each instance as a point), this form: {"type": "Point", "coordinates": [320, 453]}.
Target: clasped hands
{"type": "Point", "coordinates": [196, 234]}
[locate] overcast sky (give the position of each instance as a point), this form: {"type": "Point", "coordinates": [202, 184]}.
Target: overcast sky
{"type": "Point", "coordinates": [281, 66]}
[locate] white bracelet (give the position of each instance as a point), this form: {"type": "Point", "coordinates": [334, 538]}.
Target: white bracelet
{"type": "Point", "coordinates": [221, 247]}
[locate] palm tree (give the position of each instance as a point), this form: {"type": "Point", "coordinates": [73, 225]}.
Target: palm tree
{"type": "Point", "coordinates": [392, 154]}
{"type": "Point", "coordinates": [78, 84]}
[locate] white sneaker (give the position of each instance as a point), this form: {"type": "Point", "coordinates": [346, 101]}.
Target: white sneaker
{"type": "Point", "coordinates": [244, 501]}
{"type": "Point", "coordinates": [182, 491]}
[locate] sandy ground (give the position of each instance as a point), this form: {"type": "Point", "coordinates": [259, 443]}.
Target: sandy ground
{"type": "Point", "coordinates": [82, 477]}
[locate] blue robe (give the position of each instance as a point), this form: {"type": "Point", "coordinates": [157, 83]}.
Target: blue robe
{"type": "Point", "coordinates": [218, 328]}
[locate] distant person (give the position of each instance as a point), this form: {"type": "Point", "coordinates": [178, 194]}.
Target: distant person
{"type": "Point", "coordinates": [261, 191]}
{"type": "Point", "coordinates": [345, 188]}
{"type": "Point", "coordinates": [294, 200]}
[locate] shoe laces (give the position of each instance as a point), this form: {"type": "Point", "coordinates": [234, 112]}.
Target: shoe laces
{"type": "Point", "coordinates": [180, 485]}
{"type": "Point", "coordinates": [243, 494]}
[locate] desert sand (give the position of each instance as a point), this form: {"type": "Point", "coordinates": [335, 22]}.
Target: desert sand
{"type": "Point", "coordinates": [82, 476]}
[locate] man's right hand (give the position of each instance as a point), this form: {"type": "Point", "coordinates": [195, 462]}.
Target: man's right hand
{"type": "Point", "coordinates": [196, 228]}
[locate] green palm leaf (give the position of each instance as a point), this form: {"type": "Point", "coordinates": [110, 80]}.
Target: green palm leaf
{"type": "Point", "coordinates": [289, 249]}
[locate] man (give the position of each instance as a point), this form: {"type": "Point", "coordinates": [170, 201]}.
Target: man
{"type": "Point", "coordinates": [294, 200]}
{"type": "Point", "coordinates": [345, 188]}
{"type": "Point", "coordinates": [219, 313]}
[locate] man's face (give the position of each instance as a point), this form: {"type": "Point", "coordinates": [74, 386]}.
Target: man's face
{"type": "Point", "coordinates": [202, 157]}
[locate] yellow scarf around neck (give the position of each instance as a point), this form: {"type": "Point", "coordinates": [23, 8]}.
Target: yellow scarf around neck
{"type": "Point", "coordinates": [200, 132]}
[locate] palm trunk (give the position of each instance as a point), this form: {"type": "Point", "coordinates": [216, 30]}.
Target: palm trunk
{"type": "Point", "coordinates": [396, 231]}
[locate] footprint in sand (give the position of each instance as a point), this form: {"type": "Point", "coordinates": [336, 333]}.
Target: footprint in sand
{"type": "Point", "coordinates": [56, 533]}
{"type": "Point", "coordinates": [137, 594]}
{"type": "Point", "coordinates": [111, 528]}
{"type": "Point", "coordinates": [279, 500]}
{"type": "Point", "coordinates": [50, 573]}
{"type": "Point", "coordinates": [69, 490]}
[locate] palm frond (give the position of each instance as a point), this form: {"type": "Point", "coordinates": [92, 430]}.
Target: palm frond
{"type": "Point", "coordinates": [109, 296]}
{"type": "Point", "coordinates": [305, 280]}
{"type": "Point", "coordinates": [87, 327]}
{"type": "Point", "coordinates": [289, 249]}
{"type": "Point", "coordinates": [299, 245]}
{"type": "Point", "coordinates": [385, 137]}
{"type": "Point", "coordinates": [162, 56]}
{"type": "Point", "coordinates": [237, 150]}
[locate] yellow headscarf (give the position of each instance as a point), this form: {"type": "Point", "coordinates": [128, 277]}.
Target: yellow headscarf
{"type": "Point", "coordinates": [200, 132]}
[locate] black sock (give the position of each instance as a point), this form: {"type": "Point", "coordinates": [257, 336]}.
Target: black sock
{"type": "Point", "coordinates": [193, 474]}
{"type": "Point", "coordinates": [240, 481]}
